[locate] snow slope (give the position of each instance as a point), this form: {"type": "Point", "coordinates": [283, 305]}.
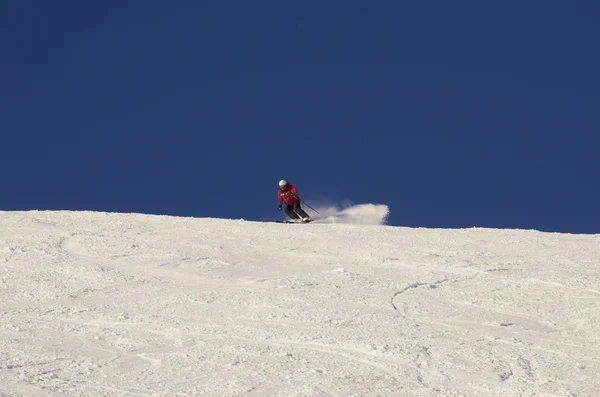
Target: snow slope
{"type": "Point", "coordinates": [99, 304]}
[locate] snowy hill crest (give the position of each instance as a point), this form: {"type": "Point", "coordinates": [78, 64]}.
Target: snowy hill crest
{"type": "Point", "coordinates": [128, 304]}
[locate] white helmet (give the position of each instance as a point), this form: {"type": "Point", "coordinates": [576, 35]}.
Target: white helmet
{"type": "Point", "coordinates": [282, 183]}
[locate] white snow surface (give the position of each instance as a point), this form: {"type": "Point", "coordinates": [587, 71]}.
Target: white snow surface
{"type": "Point", "coordinates": [108, 304]}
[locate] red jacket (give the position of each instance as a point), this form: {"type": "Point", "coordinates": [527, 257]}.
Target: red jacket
{"type": "Point", "coordinates": [288, 195]}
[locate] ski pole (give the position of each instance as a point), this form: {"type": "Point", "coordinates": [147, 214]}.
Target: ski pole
{"type": "Point", "coordinates": [304, 202]}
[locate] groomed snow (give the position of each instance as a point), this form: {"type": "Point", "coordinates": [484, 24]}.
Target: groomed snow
{"type": "Point", "coordinates": [101, 304]}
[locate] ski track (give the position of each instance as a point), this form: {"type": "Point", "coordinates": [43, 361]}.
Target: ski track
{"type": "Point", "coordinates": [138, 305]}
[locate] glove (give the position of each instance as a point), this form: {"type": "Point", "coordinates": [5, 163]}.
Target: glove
{"type": "Point", "coordinates": [279, 207]}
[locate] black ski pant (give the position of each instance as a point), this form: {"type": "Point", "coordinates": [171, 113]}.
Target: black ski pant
{"type": "Point", "coordinates": [294, 211]}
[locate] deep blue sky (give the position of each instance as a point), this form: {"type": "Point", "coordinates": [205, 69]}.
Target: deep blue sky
{"type": "Point", "coordinates": [455, 114]}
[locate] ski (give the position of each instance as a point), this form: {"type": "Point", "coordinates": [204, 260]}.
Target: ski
{"type": "Point", "coordinates": [308, 221]}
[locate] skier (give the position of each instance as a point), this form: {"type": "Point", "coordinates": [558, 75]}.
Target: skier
{"type": "Point", "coordinates": [288, 194]}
